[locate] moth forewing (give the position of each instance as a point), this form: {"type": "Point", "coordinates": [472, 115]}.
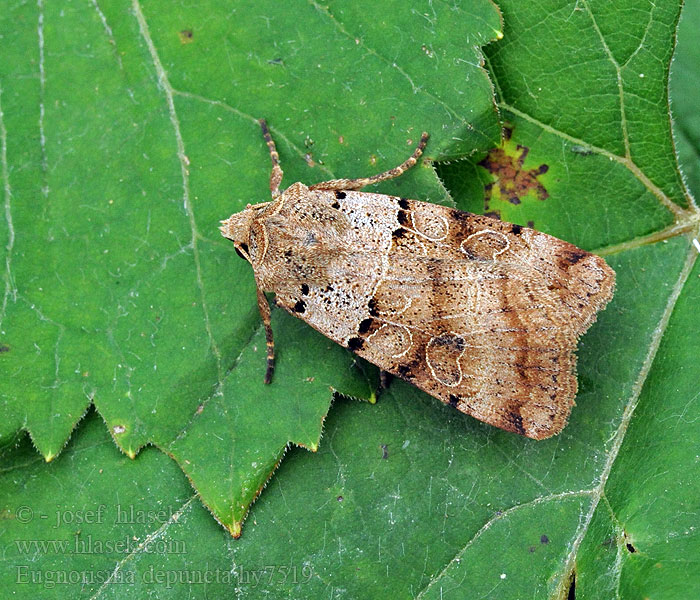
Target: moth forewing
{"type": "Point", "coordinates": [482, 314]}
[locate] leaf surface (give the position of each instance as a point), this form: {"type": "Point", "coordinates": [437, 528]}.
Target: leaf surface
{"type": "Point", "coordinates": [131, 301]}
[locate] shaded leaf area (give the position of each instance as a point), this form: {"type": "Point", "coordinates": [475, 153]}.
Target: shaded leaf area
{"type": "Point", "coordinates": [112, 509]}
{"type": "Point", "coordinates": [128, 131]}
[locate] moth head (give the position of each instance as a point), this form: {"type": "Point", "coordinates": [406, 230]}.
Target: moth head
{"type": "Point", "coordinates": [238, 228]}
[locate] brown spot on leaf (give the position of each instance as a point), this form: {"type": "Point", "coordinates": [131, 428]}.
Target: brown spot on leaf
{"type": "Point", "coordinates": [4, 348]}
{"type": "Point", "coordinates": [186, 36]}
{"type": "Point", "coordinates": [512, 181]}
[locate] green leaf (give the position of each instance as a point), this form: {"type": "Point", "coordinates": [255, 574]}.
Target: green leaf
{"type": "Point", "coordinates": [406, 498]}
{"type": "Point", "coordinates": [119, 290]}
{"type": "Point", "coordinates": [684, 84]}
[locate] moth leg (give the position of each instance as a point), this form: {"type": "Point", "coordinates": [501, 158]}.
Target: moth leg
{"type": "Point", "coordinates": [276, 173]}
{"type": "Point", "coordinates": [356, 184]}
{"type": "Point", "coordinates": [264, 308]}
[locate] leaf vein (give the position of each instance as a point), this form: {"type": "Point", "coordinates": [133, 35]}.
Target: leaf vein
{"type": "Point", "coordinates": [187, 201]}
{"type": "Point", "coordinates": [10, 287]}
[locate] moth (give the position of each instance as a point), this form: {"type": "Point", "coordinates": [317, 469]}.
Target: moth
{"type": "Point", "coordinates": [483, 315]}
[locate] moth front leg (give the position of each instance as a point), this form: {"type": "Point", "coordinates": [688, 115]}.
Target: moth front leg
{"type": "Point", "coordinates": [264, 308]}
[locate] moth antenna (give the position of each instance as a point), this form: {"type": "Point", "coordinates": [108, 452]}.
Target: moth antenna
{"type": "Point", "coordinates": [276, 174]}
{"type": "Point", "coordinates": [356, 184]}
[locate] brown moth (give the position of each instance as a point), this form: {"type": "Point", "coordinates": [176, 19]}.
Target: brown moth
{"type": "Point", "coordinates": [483, 315]}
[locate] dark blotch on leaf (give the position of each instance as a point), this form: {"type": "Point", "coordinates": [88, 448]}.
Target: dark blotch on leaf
{"type": "Point", "coordinates": [186, 36]}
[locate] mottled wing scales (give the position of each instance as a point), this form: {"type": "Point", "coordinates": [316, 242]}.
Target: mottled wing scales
{"type": "Point", "coordinates": [482, 314]}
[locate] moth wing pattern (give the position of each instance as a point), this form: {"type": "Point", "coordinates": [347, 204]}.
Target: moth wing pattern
{"type": "Point", "coordinates": [482, 314]}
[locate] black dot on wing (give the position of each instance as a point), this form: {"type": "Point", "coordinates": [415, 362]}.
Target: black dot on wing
{"type": "Point", "coordinates": [372, 306]}
{"type": "Point", "coordinates": [304, 289]}
{"type": "Point", "coordinates": [454, 400]}
{"type": "Point", "coordinates": [516, 229]}
{"type": "Point", "coordinates": [365, 325]}
{"type": "Point", "coordinates": [517, 421]}
{"type": "Point", "coordinates": [340, 195]}
{"type": "Point", "coordinates": [402, 217]}
{"type": "Point", "coordinates": [300, 306]}
{"type": "Point", "coordinates": [355, 343]}
{"type": "Point", "coordinates": [403, 203]}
